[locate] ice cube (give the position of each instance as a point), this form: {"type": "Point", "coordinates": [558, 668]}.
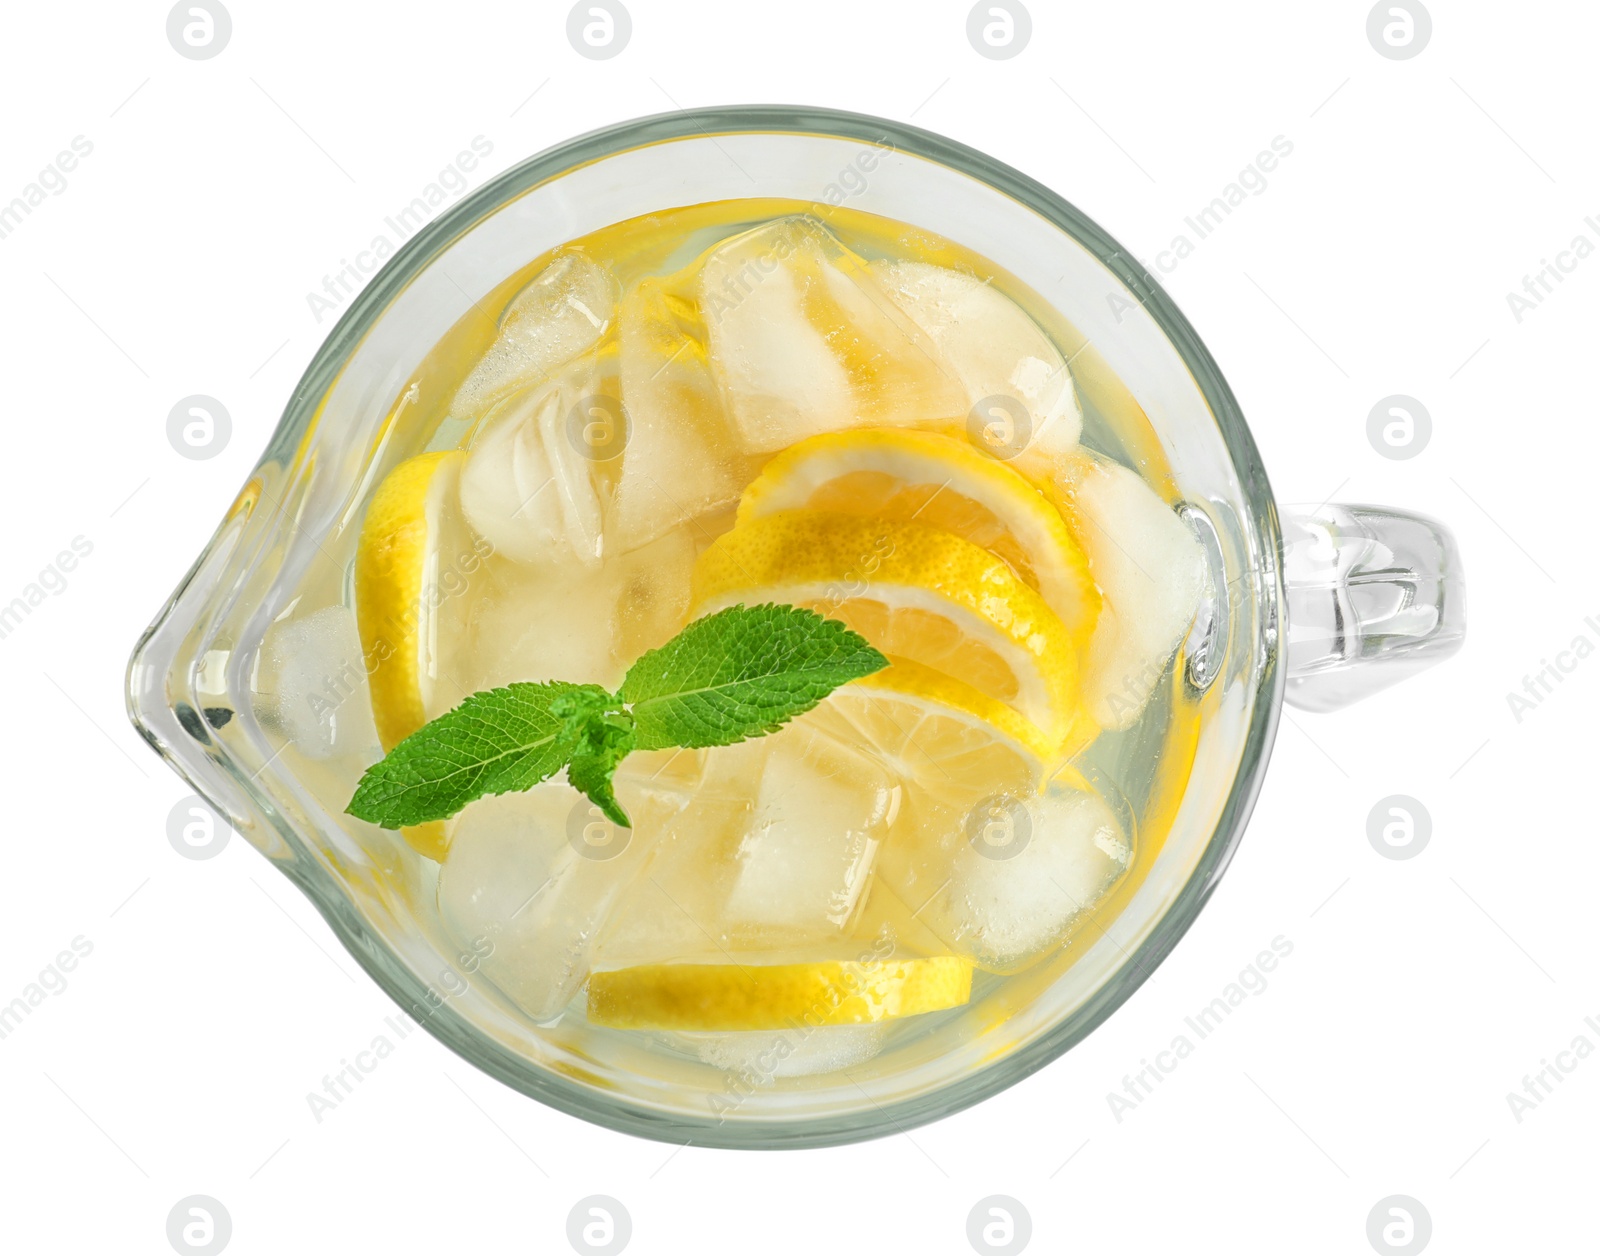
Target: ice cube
{"type": "Point", "coordinates": [992, 347]}
{"type": "Point", "coordinates": [681, 461]}
{"type": "Point", "coordinates": [528, 486]}
{"type": "Point", "coordinates": [653, 593]}
{"type": "Point", "coordinates": [1004, 881]}
{"type": "Point", "coordinates": [567, 307]}
{"type": "Point", "coordinates": [803, 340]}
{"type": "Point", "coordinates": [1150, 567]}
{"type": "Point", "coordinates": [535, 624]}
{"type": "Point", "coordinates": [670, 913]}
{"type": "Point", "coordinates": [774, 854]}
{"type": "Point", "coordinates": [530, 877]}
{"type": "Point", "coordinates": [538, 623]}
{"type": "Point", "coordinates": [805, 853]}
{"type": "Point", "coordinates": [759, 1057]}
{"type": "Point", "coordinates": [314, 678]}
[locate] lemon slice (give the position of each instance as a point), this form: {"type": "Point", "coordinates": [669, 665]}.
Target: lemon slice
{"type": "Point", "coordinates": [928, 723]}
{"type": "Point", "coordinates": [944, 483]}
{"type": "Point", "coordinates": [395, 562]}
{"type": "Point", "coordinates": [737, 996]}
{"type": "Point", "coordinates": [952, 739]}
{"type": "Point", "coordinates": [913, 591]}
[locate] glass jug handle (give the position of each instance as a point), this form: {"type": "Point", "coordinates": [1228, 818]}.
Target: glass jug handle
{"type": "Point", "coordinates": [1373, 596]}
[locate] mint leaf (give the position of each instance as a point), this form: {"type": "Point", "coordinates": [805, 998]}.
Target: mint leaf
{"type": "Point", "coordinates": [496, 741]}
{"type": "Point", "coordinates": [741, 673]}
{"type": "Point", "coordinates": [737, 674]}
{"type": "Point", "coordinates": [603, 742]}
{"type": "Point", "coordinates": [581, 703]}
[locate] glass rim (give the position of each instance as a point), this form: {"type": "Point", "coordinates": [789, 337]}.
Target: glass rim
{"type": "Point", "coordinates": [618, 1112]}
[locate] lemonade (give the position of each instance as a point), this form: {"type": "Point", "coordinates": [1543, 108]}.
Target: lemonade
{"type": "Point", "coordinates": [757, 405]}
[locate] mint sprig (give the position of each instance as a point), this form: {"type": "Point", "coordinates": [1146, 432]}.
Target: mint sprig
{"type": "Point", "coordinates": [738, 674]}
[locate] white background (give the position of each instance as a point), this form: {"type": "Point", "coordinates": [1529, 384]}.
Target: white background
{"type": "Point", "coordinates": [1419, 193]}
